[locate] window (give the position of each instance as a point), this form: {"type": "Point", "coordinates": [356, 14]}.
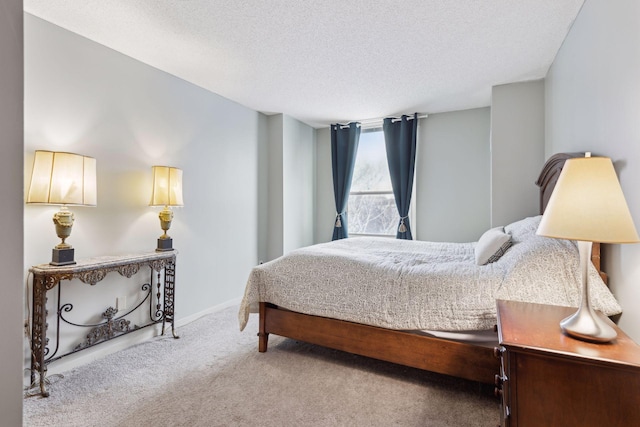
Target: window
{"type": "Point", "coordinates": [372, 208]}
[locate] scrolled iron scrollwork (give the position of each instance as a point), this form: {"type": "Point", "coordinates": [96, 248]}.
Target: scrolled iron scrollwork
{"type": "Point", "coordinates": [158, 264]}
{"type": "Point", "coordinates": [128, 270]}
{"type": "Point", "coordinates": [92, 277]}
{"type": "Point", "coordinates": [51, 281]}
{"type": "Point", "coordinates": [107, 330]}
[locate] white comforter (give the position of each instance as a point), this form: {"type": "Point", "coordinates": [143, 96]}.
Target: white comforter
{"type": "Point", "coordinates": [414, 285]}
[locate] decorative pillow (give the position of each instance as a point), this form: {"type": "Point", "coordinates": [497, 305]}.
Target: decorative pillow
{"type": "Point", "coordinates": [492, 245]}
{"type": "Point", "coordinates": [523, 229]}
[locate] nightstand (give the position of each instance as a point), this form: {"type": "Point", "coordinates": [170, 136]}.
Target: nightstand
{"type": "Point", "coordinates": [550, 379]}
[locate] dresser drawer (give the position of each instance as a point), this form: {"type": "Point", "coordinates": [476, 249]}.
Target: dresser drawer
{"type": "Point", "coordinates": [502, 389]}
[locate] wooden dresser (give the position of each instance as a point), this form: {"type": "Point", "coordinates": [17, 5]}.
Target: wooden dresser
{"type": "Point", "coordinates": [550, 379]}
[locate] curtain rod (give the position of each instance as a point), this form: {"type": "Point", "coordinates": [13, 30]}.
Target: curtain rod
{"type": "Point", "coordinates": [371, 123]}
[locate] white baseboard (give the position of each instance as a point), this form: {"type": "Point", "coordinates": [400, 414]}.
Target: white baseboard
{"type": "Point", "coordinates": [89, 355]}
{"type": "Point", "coordinates": [186, 320]}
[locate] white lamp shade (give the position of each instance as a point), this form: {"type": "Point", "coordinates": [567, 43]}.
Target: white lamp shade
{"type": "Point", "coordinates": [587, 204]}
{"type": "Point", "coordinates": [63, 179]}
{"type": "Point", "coordinates": [167, 186]}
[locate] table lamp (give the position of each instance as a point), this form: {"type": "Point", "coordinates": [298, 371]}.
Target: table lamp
{"type": "Point", "coordinates": [64, 179]}
{"type": "Point", "coordinates": [167, 191]}
{"type": "Point", "coordinates": [587, 205]}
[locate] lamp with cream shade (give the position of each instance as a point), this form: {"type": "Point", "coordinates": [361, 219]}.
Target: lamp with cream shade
{"type": "Point", "coordinates": [167, 191]}
{"type": "Point", "coordinates": [60, 178]}
{"type": "Point", "coordinates": [587, 205]}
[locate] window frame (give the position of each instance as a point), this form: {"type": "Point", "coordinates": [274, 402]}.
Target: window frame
{"type": "Point", "coordinates": [412, 210]}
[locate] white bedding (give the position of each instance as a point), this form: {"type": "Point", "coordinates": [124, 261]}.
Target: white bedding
{"type": "Point", "coordinates": [414, 285]}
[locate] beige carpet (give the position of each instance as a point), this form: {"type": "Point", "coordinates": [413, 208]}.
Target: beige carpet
{"type": "Point", "coordinates": [214, 376]}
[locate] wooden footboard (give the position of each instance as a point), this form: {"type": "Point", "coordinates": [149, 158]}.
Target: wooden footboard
{"type": "Point", "coordinates": [472, 362]}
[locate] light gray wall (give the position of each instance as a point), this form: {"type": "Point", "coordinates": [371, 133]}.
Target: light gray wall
{"type": "Point", "coordinates": [263, 188]}
{"type": "Point", "coordinates": [517, 150]}
{"type": "Point", "coordinates": [452, 176]}
{"type": "Point", "coordinates": [298, 184]}
{"type": "Point", "coordinates": [325, 203]}
{"type": "Point", "coordinates": [11, 137]}
{"type": "Point", "coordinates": [593, 104]}
{"type": "Point", "coordinates": [83, 97]}
{"type": "Point", "coordinates": [451, 179]}
{"type": "Point", "coordinates": [291, 172]}
{"type": "Point", "coordinates": [275, 202]}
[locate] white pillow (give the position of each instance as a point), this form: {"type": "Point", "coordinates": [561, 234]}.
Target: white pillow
{"type": "Point", "coordinates": [492, 245]}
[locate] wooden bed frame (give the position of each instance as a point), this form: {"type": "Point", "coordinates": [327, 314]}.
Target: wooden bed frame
{"type": "Point", "coordinates": [465, 360]}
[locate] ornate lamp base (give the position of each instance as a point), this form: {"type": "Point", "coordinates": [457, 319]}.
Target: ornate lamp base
{"type": "Point", "coordinates": [165, 244]}
{"type": "Point", "coordinates": [62, 253]}
{"type": "Point", "coordinates": [62, 256]}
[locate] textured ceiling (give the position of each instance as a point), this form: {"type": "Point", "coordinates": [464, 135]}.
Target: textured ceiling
{"type": "Point", "coordinates": [328, 61]}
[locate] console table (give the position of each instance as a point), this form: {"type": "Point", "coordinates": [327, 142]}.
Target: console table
{"type": "Point", "coordinates": [47, 277]}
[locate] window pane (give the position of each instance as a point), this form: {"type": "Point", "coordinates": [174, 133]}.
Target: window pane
{"type": "Point", "coordinates": [371, 172]}
{"type": "Point", "coordinates": [372, 214]}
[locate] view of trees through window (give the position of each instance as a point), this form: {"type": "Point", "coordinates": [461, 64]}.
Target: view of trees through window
{"type": "Point", "coordinates": [372, 209]}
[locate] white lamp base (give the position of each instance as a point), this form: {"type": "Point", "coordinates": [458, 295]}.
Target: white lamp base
{"type": "Point", "coordinates": [587, 325]}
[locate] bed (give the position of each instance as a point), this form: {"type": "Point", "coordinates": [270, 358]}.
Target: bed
{"type": "Point", "coordinates": [407, 302]}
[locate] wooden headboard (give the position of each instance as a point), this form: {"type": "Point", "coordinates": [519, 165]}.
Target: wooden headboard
{"type": "Point", "coordinates": [547, 181]}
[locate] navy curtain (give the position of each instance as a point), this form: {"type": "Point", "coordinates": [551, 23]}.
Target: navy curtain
{"type": "Point", "coordinates": [400, 141]}
{"type": "Point", "coordinates": [344, 145]}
